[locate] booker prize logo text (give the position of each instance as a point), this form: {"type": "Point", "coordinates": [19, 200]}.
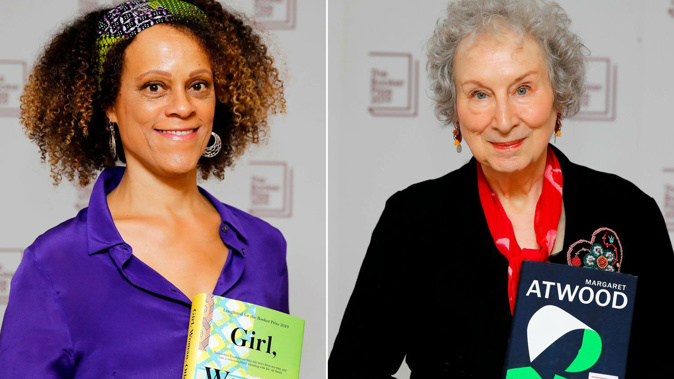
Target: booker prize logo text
{"type": "Point", "coordinates": [276, 14]}
{"type": "Point", "coordinates": [599, 100]}
{"type": "Point", "coordinates": [9, 261]}
{"type": "Point", "coordinates": [12, 80]}
{"type": "Point", "coordinates": [393, 85]}
{"type": "Point", "coordinates": [271, 189]}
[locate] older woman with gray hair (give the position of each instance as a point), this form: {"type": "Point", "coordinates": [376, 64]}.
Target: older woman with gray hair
{"type": "Point", "coordinates": [438, 284]}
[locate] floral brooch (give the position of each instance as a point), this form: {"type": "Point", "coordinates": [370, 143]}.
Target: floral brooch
{"type": "Point", "coordinates": [602, 252]}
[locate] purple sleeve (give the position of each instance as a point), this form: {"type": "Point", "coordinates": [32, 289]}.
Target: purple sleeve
{"type": "Point", "coordinates": [34, 339]}
{"type": "Point", "coordinates": [283, 300]}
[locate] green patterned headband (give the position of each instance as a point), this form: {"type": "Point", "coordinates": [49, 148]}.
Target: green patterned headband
{"type": "Point", "coordinates": [130, 18]}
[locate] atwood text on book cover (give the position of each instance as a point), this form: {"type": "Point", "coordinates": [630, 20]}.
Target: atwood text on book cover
{"type": "Point", "coordinates": [570, 323]}
{"type": "Point", "coordinates": [231, 339]}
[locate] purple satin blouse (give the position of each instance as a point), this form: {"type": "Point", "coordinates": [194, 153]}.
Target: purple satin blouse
{"type": "Point", "coordinates": [82, 306]}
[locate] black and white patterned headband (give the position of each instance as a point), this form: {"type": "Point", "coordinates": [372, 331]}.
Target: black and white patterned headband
{"type": "Point", "coordinates": [130, 18]}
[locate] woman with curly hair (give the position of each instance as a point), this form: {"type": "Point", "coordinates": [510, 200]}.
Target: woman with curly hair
{"type": "Point", "coordinates": [176, 90]}
{"type": "Point", "coordinates": [504, 73]}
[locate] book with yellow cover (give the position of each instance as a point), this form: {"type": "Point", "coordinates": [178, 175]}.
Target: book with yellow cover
{"type": "Point", "coordinates": [232, 339]}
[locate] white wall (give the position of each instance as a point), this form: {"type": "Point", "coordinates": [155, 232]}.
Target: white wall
{"type": "Point", "coordinates": [283, 182]}
{"type": "Point", "coordinates": [624, 128]}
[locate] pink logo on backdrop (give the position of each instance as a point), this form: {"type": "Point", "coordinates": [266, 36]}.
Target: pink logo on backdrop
{"type": "Point", "coordinates": [671, 9]}
{"type": "Point", "coordinates": [275, 14]}
{"type": "Point", "coordinates": [12, 80]}
{"type": "Point", "coordinates": [9, 261]}
{"type": "Point", "coordinates": [271, 189]}
{"type": "Point", "coordinates": [394, 85]}
{"type": "Point", "coordinates": [599, 100]}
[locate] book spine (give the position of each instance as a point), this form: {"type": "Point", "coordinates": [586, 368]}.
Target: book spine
{"type": "Point", "coordinates": [191, 351]}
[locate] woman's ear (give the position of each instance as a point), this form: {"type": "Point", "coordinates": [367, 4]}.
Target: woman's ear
{"type": "Point", "coordinates": [111, 114]}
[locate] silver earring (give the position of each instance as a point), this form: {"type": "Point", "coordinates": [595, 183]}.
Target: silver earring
{"type": "Point", "coordinates": [113, 144]}
{"type": "Point", "coordinates": [213, 149]}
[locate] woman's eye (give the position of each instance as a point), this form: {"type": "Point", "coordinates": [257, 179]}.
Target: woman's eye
{"type": "Point", "coordinates": [522, 91]}
{"type": "Point", "coordinates": [200, 86]}
{"type": "Point", "coordinates": [480, 95]}
{"type": "Point", "coordinates": [153, 87]}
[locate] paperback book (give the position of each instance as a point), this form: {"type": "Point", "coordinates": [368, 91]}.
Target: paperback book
{"type": "Point", "coordinates": [231, 339]}
{"type": "Point", "coordinates": [570, 323]}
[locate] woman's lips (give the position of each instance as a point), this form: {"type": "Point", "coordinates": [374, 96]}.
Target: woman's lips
{"type": "Point", "coordinates": [178, 135]}
{"type": "Point", "coordinates": [507, 145]}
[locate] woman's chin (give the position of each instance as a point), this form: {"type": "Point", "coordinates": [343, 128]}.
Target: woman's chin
{"type": "Point", "coordinates": [174, 165]}
{"type": "Point", "coordinates": [507, 166]}
{"type": "Point", "coordinates": [179, 167]}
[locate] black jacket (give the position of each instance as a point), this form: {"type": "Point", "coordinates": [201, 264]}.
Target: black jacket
{"type": "Point", "coordinates": [433, 287]}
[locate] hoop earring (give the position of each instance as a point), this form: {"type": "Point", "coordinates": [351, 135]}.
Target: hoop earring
{"type": "Point", "coordinates": [112, 143]}
{"type": "Point", "coordinates": [213, 149]}
{"type": "Point", "coordinates": [558, 125]}
{"type": "Point", "coordinates": [457, 137]}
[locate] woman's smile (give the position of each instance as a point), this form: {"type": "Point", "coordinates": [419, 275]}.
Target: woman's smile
{"type": "Point", "coordinates": [508, 145]}
{"type": "Point", "coordinates": [178, 134]}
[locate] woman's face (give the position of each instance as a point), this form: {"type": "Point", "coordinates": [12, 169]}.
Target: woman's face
{"type": "Point", "coordinates": [166, 101]}
{"type": "Point", "coordinates": [504, 101]}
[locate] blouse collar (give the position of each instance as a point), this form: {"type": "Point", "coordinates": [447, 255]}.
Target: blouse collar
{"type": "Point", "coordinates": [101, 229]}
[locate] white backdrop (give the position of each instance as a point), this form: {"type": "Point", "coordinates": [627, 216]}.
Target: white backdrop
{"type": "Point", "coordinates": [383, 135]}
{"type": "Point", "coordinates": [282, 182]}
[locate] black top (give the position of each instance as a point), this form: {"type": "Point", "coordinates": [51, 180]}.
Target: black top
{"type": "Point", "coordinates": [433, 286]}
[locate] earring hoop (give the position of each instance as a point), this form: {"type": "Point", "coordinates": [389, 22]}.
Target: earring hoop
{"type": "Point", "coordinates": [112, 143]}
{"type": "Point", "coordinates": [214, 149]}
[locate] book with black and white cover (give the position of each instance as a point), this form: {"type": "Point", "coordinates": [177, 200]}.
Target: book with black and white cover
{"type": "Point", "coordinates": [570, 323]}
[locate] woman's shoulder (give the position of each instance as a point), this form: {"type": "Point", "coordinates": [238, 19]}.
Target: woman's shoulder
{"type": "Point", "coordinates": [451, 187]}
{"type": "Point", "coordinates": [60, 252]}
{"type": "Point", "coordinates": [246, 224]}
{"type": "Point", "coordinates": [251, 224]}
{"type": "Point", "coordinates": [589, 183]}
{"type": "Point", "coordinates": [583, 179]}
{"type": "Point", "coordinates": [63, 240]}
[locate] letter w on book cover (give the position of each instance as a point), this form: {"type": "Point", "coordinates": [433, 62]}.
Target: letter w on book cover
{"type": "Point", "coordinates": [231, 339]}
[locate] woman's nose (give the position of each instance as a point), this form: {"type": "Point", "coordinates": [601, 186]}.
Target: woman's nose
{"type": "Point", "coordinates": [504, 115]}
{"type": "Point", "coordinates": [180, 104]}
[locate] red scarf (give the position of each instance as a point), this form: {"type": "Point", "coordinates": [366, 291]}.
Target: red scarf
{"type": "Point", "coordinates": [548, 210]}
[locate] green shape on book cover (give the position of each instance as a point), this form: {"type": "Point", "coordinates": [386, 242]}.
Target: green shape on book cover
{"type": "Point", "coordinates": [526, 373]}
{"type": "Point", "coordinates": [589, 352]}
{"type": "Point", "coordinates": [523, 373]}
{"type": "Point", "coordinates": [587, 356]}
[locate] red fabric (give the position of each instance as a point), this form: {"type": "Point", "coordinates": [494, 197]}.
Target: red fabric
{"type": "Point", "coordinates": [548, 211]}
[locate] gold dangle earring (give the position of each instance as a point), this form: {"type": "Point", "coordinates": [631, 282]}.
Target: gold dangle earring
{"type": "Point", "coordinates": [558, 126]}
{"type": "Point", "coordinates": [457, 137]}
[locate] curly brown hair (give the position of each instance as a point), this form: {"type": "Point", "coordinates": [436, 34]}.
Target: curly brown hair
{"type": "Point", "coordinates": [63, 104]}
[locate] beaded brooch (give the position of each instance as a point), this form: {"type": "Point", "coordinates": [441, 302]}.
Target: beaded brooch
{"type": "Point", "coordinates": [602, 252]}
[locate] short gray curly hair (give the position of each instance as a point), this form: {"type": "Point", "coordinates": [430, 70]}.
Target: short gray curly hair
{"type": "Point", "coordinates": [544, 21]}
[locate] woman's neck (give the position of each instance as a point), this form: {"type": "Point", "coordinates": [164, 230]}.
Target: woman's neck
{"type": "Point", "coordinates": [142, 193]}
{"type": "Point", "coordinates": [518, 189]}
